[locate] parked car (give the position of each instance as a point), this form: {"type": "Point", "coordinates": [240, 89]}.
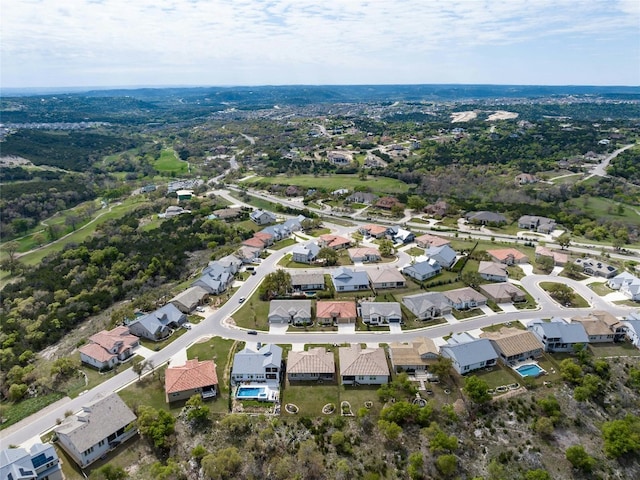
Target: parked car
{"type": "Point", "coordinates": [187, 325]}
{"type": "Point", "coordinates": [199, 309]}
{"type": "Point", "coordinates": [252, 332]}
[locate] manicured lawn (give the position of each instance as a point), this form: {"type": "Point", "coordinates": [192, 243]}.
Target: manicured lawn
{"type": "Point", "coordinates": [149, 390]}
{"type": "Point", "coordinates": [335, 182]}
{"type": "Point", "coordinates": [282, 244]}
{"type": "Point", "coordinates": [497, 327]}
{"type": "Point", "coordinates": [169, 162]}
{"type": "Point", "coordinates": [255, 201]}
{"type": "Point", "coordinates": [464, 314]}
{"type": "Point", "coordinates": [310, 397]}
{"type": "Point", "coordinates": [318, 231]}
{"type": "Point", "coordinates": [600, 288]}
{"type": "Point", "coordinates": [356, 396]}
{"type": "Point", "coordinates": [622, 349]}
{"type": "Point", "coordinates": [576, 302]}
{"type": "Point", "coordinates": [415, 251]}
{"type": "Point", "coordinates": [253, 313]}
{"type": "Point", "coordinates": [157, 346]}
{"type": "Point", "coordinates": [497, 376]}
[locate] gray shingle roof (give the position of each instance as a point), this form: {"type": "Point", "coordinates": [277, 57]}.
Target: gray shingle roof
{"type": "Point", "coordinates": [250, 361]}
{"type": "Point", "coordinates": [469, 353]}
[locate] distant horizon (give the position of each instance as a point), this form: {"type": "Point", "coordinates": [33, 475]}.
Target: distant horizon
{"type": "Point", "coordinates": [79, 88]}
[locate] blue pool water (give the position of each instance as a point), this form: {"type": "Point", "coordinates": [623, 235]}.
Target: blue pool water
{"type": "Point", "coordinates": [530, 370]}
{"type": "Point", "coordinates": [250, 392]}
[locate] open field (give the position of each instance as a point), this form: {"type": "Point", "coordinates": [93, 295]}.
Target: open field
{"type": "Point", "coordinates": [335, 182]}
{"type": "Point", "coordinates": [169, 162]}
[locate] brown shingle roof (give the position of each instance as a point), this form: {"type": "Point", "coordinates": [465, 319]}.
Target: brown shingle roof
{"type": "Point", "coordinates": [513, 341]}
{"type": "Point", "coordinates": [315, 360]}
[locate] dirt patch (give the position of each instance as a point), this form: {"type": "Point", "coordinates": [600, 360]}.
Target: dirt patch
{"type": "Point", "coordinates": [13, 161]}
{"type": "Point", "coordinates": [502, 115]}
{"type": "Point", "coordinates": [457, 117]}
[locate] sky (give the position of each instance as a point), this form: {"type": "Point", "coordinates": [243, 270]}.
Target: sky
{"type": "Point", "coordinates": [77, 43]}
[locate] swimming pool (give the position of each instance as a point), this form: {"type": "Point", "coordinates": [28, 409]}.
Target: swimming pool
{"type": "Point", "coordinates": [530, 370]}
{"type": "Point", "coordinates": [256, 392]}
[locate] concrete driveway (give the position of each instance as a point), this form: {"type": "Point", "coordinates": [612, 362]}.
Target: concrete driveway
{"type": "Point", "coordinates": [346, 328]}
{"type": "Point", "coordinates": [395, 328]}
{"type": "Point", "coordinates": [507, 307]}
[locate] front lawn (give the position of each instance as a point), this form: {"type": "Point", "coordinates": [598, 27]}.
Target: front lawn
{"type": "Point", "coordinates": [253, 314]}
{"type": "Point", "coordinates": [286, 242]}
{"type": "Point", "coordinates": [157, 346]}
{"type": "Point", "coordinates": [465, 314]}
{"type": "Point", "coordinates": [600, 288]}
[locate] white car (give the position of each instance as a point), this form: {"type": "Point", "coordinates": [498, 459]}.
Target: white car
{"type": "Point", "coordinates": [199, 309]}
{"type": "Point", "coordinates": [187, 325]}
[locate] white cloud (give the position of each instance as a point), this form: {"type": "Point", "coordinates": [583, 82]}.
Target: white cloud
{"type": "Point", "coordinates": [229, 41]}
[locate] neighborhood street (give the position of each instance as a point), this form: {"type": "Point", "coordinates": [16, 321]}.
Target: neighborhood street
{"type": "Point", "coordinates": [217, 324]}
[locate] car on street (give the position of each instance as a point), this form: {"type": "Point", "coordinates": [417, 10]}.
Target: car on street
{"type": "Point", "coordinates": [252, 332]}
{"type": "Point", "coordinates": [241, 299]}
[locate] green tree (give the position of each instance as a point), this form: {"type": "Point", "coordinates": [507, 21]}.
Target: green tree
{"type": "Point", "coordinates": [545, 263]}
{"type": "Point", "coordinates": [397, 210]}
{"type": "Point", "coordinates": [471, 279]}
{"type": "Point", "coordinates": [416, 203]}
{"type": "Point", "coordinates": [564, 240]}
{"type": "Point", "coordinates": [537, 474]}
{"type": "Point", "coordinates": [570, 371]}
{"type": "Point", "coordinates": [329, 255]}
{"type": "Point", "coordinates": [157, 425]}
{"type": "Point", "coordinates": [579, 458]}
{"type": "Point", "coordinates": [621, 436]}
{"type": "Point", "coordinates": [109, 472]}
{"type": "Point", "coordinates": [561, 292]}
{"type": "Point", "coordinates": [222, 465]}
{"type": "Point", "coordinates": [197, 411]}
{"type": "Point", "coordinates": [447, 464]}
{"type": "Point", "coordinates": [543, 426]}
{"type": "Point", "coordinates": [477, 389]}
{"type": "Point", "coordinates": [17, 391]}
{"type": "Point", "coordinates": [390, 430]}
{"type": "Point", "coordinates": [386, 247]}
{"type": "Point", "coordinates": [572, 270]}
{"type": "Point", "coordinates": [439, 441]}
{"type": "Point", "coordinates": [275, 284]}
{"type": "Point", "coordinates": [442, 368]}
{"type": "Point", "coordinates": [415, 470]}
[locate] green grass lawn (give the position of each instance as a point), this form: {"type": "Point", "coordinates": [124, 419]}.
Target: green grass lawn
{"type": "Point", "coordinates": [12, 413]}
{"type": "Point", "coordinates": [415, 251]}
{"type": "Point", "coordinates": [316, 232]}
{"type": "Point", "coordinates": [169, 162]}
{"type": "Point", "coordinates": [576, 302]}
{"type": "Point", "coordinates": [157, 346]}
{"type": "Point", "coordinates": [335, 182]}
{"type": "Point", "coordinates": [149, 391]}
{"type": "Point", "coordinates": [622, 349]}
{"type": "Point", "coordinates": [497, 376]}
{"type": "Point", "coordinates": [310, 397]}
{"type": "Point", "coordinates": [285, 242]}
{"type": "Point", "coordinates": [464, 314]}
{"type": "Point", "coordinates": [499, 326]}
{"type": "Point", "coordinates": [253, 313]}
{"type": "Point", "coordinates": [600, 288]}
{"type": "Point", "coordinates": [604, 207]}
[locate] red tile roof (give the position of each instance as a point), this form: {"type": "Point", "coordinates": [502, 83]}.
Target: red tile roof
{"type": "Point", "coordinates": [326, 309]}
{"type": "Point", "coordinates": [191, 375]}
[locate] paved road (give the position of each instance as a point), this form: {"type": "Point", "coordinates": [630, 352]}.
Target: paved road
{"type": "Point", "coordinates": [600, 170]}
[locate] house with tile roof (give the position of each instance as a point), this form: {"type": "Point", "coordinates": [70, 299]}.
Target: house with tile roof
{"type": "Point", "coordinates": [422, 271]}
{"type": "Point", "coordinates": [385, 278]}
{"type": "Point", "coordinates": [558, 335]}
{"type": "Point", "coordinates": [601, 327]}
{"type": "Point", "coordinates": [493, 271]}
{"type": "Point", "coordinates": [387, 203]}
{"type": "Point", "coordinates": [330, 312]}
{"type": "Point", "coordinates": [102, 425]}
{"type": "Point", "coordinates": [508, 256]}
{"type": "Point", "coordinates": [315, 364]}
{"type": "Point", "coordinates": [290, 312]}
{"type": "Point", "coordinates": [503, 292]}
{"type": "Point", "coordinates": [428, 305]}
{"type": "Point", "coordinates": [465, 298]}
{"type": "Point", "coordinates": [347, 280]}
{"type": "Point", "coordinates": [262, 365]}
{"type": "Point", "coordinates": [335, 242]}
{"type": "Point", "coordinates": [189, 299]}
{"type": "Point", "coordinates": [413, 357]}
{"type": "Point", "coordinates": [444, 255]}
{"type": "Point", "coordinates": [514, 345]}
{"type": "Point", "coordinates": [427, 240]}
{"type": "Point", "coordinates": [559, 258]}
{"type": "Point", "coordinates": [468, 353]}
{"type": "Point", "coordinates": [380, 313]}
{"type": "Point", "coordinates": [363, 366]}
{"type": "Point", "coordinates": [158, 324]}
{"type": "Point", "coordinates": [108, 348]}
{"type": "Point", "coordinates": [248, 254]}
{"type": "Point", "coordinates": [304, 281]}
{"type": "Point", "coordinates": [181, 382]}
{"type": "Point", "coordinates": [39, 462]}
{"type": "Point", "coordinates": [372, 230]}
{"type": "Point", "coordinates": [364, 255]}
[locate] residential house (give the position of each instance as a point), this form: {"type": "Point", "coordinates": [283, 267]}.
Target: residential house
{"type": "Point", "coordinates": [383, 278]}
{"type": "Point", "coordinates": [428, 305]}
{"type": "Point", "coordinates": [158, 324]}
{"type": "Point", "coordinates": [632, 327]}
{"type": "Point", "coordinates": [400, 235]}
{"type": "Point", "coordinates": [262, 217]}
{"type": "Point", "coordinates": [294, 312]}
{"type": "Point", "coordinates": [249, 254]}
{"type": "Point", "coordinates": [335, 242]}
{"type": "Point", "coordinates": [628, 284]}
{"type": "Point", "coordinates": [173, 211]}
{"type": "Point", "coordinates": [525, 178]}
{"type": "Point", "coordinates": [347, 280]}
{"type": "Point", "coordinates": [181, 382]}
{"type": "Point", "coordinates": [437, 209]}
{"type": "Point", "coordinates": [427, 240]}
{"type": "Point", "coordinates": [413, 357]}
{"type": "Point", "coordinates": [559, 258]}
{"type": "Point", "coordinates": [444, 255]}
{"type": "Point", "coordinates": [465, 298]}
{"type": "Point", "coordinates": [108, 348]}
{"type": "Point", "coordinates": [539, 224]}
{"type": "Point", "coordinates": [329, 312]}
{"type": "Point", "coordinates": [621, 279]}
{"type": "Point", "coordinates": [291, 191]}
{"type": "Point", "coordinates": [214, 280]}
{"type": "Point", "coordinates": [363, 366]}
{"type": "Point", "coordinates": [503, 293]}
{"type": "Point", "coordinates": [596, 268]}
{"type": "Point", "coordinates": [102, 425]}
{"type": "Point", "coordinates": [306, 253]}
{"type": "Point", "coordinates": [228, 213]}
{"type": "Point", "coordinates": [256, 243]}
{"type": "Point", "coordinates": [262, 365]}
{"type": "Point", "coordinates": [339, 158]}
{"type": "Point", "coordinates": [493, 271]}
{"type": "Point", "coordinates": [468, 353]}
{"type": "Point", "coordinates": [189, 299]}
{"type": "Point", "coordinates": [375, 231]}
{"type": "Point", "coordinates": [422, 270]}
{"type": "Point", "coordinates": [302, 282]}
{"type": "Point", "coordinates": [508, 256]}
{"type": "Point", "coordinates": [364, 255]}
{"type": "Point", "coordinates": [365, 198]}
{"type": "Point", "coordinates": [380, 313]}
{"type": "Point", "coordinates": [601, 327]}
{"type": "Point", "coordinates": [558, 335]}
{"type": "Point", "coordinates": [39, 462]}
{"type": "Point", "coordinates": [184, 195]}
{"type": "Point", "coordinates": [230, 263]}
{"type": "Point", "coordinates": [486, 218]}
{"type": "Point", "coordinates": [315, 364]}
{"type": "Point", "coordinates": [387, 203]}
{"type": "Point", "coordinates": [514, 345]}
